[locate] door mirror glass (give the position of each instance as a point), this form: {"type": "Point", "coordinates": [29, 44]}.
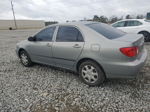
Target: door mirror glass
{"type": "Point", "coordinates": [32, 38]}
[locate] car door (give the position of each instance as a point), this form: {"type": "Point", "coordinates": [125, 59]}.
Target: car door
{"type": "Point", "coordinates": [132, 26]}
{"type": "Point", "coordinates": [41, 49]}
{"type": "Point", "coordinates": [67, 46]}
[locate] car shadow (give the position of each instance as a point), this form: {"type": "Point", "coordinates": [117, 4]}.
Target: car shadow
{"type": "Point", "coordinates": [137, 82]}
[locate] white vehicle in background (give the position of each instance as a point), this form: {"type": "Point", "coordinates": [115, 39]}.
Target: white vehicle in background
{"type": "Point", "coordinates": [138, 26]}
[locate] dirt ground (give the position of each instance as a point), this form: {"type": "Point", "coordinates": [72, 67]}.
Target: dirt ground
{"type": "Point", "coordinates": [47, 89]}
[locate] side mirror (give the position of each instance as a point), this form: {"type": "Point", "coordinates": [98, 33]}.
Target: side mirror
{"type": "Point", "coordinates": [31, 39]}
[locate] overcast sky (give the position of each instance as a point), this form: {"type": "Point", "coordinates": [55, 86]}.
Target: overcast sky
{"type": "Point", "coordinates": [62, 10]}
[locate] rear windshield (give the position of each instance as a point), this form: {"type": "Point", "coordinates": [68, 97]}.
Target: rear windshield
{"type": "Point", "coordinates": [106, 30]}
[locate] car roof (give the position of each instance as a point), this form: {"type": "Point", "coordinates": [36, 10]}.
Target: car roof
{"type": "Point", "coordinates": [132, 20]}
{"type": "Point", "coordinates": [78, 24]}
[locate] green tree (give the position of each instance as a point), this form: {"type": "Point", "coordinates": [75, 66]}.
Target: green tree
{"type": "Point", "coordinates": [103, 19]}
{"type": "Point", "coordinates": [96, 18]}
{"type": "Point", "coordinates": [113, 19]}
{"type": "Point", "coordinates": [128, 16]}
{"type": "Point", "coordinates": [139, 16]}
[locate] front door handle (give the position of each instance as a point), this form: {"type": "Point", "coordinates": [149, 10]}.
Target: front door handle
{"type": "Point", "coordinates": [77, 46]}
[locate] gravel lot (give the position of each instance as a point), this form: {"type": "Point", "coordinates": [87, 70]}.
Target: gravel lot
{"type": "Point", "coordinates": [46, 89]}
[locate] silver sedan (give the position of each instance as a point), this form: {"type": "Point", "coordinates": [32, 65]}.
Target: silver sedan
{"type": "Point", "coordinates": [94, 50]}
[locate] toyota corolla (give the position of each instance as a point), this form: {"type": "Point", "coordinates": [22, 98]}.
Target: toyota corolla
{"type": "Point", "coordinates": [94, 50]}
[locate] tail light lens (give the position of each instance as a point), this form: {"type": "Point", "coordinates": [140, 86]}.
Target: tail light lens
{"type": "Point", "coordinates": [130, 51]}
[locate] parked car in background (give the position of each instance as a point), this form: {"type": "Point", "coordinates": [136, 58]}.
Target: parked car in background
{"type": "Point", "coordinates": [138, 26]}
{"type": "Point", "coordinates": [94, 50]}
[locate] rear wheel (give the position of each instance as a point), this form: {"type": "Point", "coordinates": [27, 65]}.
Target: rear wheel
{"type": "Point", "coordinates": [25, 59]}
{"type": "Point", "coordinates": [91, 73]}
{"type": "Point", "coordinates": [146, 36]}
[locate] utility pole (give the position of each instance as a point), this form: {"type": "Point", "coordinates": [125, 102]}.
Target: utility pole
{"type": "Point", "coordinates": [13, 14]}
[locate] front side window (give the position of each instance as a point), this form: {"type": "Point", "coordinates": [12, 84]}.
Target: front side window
{"type": "Point", "coordinates": [45, 34]}
{"type": "Point", "coordinates": [106, 30]}
{"type": "Point", "coordinates": [68, 34]}
{"type": "Point", "coordinates": [133, 23]}
{"type": "Point", "coordinates": [119, 24]}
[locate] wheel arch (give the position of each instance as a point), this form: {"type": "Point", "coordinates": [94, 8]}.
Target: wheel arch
{"type": "Point", "coordinates": [143, 31]}
{"type": "Point", "coordinates": [19, 51]}
{"type": "Point", "coordinates": [85, 59]}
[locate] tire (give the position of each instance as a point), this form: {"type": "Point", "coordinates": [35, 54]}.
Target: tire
{"type": "Point", "coordinates": [25, 59]}
{"type": "Point", "coordinates": [91, 74]}
{"type": "Point", "coordinates": [146, 36]}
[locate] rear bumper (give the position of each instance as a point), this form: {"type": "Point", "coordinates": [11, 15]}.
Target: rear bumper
{"type": "Point", "coordinates": [125, 70]}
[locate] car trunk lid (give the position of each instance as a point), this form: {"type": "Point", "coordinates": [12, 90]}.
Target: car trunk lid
{"type": "Point", "coordinates": [134, 40]}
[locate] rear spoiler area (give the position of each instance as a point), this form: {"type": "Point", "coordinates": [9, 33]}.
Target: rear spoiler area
{"type": "Point", "coordinates": [134, 38]}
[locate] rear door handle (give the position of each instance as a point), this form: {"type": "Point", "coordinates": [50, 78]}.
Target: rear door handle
{"type": "Point", "coordinates": [49, 45]}
{"type": "Point", "coordinates": [77, 46]}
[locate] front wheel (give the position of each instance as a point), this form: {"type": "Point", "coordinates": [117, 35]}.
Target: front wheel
{"type": "Point", "coordinates": [25, 59]}
{"type": "Point", "coordinates": [91, 73]}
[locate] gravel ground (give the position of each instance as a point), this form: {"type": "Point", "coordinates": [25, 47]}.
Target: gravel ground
{"type": "Point", "coordinates": [46, 89]}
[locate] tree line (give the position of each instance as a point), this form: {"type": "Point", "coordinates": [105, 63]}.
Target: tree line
{"type": "Point", "coordinates": [113, 19]}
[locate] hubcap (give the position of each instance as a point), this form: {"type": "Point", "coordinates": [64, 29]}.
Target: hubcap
{"type": "Point", "coordinates": [24, 59]}
{"type": "Point", "coordinates": [89, 74]}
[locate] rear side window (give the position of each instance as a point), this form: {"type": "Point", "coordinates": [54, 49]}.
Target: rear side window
{"type": "Point", "coordinates": [147, 21]}
{"type": "Point", "coordinates": [106, 30]}
{"type": "Point", "coordinates": [45, 34]}
{"type": "Point", "coordinates": [68, 34]}
{"type": "Point", "coordinates": [133, 23]}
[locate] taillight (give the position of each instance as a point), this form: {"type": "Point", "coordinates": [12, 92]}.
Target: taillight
{"type": "Point", "coordinates": [130, 51]}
